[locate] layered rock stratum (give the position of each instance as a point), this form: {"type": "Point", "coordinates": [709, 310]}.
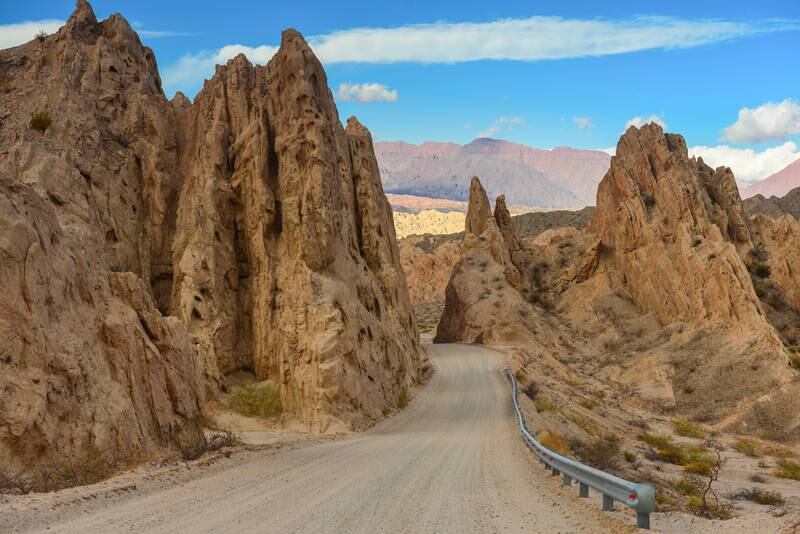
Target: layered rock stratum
{"type": "Point", "coordinates": [149, 247]}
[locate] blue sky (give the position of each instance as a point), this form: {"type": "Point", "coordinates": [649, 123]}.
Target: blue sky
{"type": "Point", "coordinates": [695, 68]}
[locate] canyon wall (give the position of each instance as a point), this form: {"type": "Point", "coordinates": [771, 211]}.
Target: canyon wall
{"type": "Point", "coordinates": [149, 246]}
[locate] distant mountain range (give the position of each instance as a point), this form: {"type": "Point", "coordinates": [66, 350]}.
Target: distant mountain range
{"type": "Point", "coordinates": [776, 185]}
{"type": "Point", "coordinates": [558, 178]}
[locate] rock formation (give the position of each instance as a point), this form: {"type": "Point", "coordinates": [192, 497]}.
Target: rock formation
{"type": "Point", "coordinates": [674, 235]}
{"type": "Point", "coordinates": [482, 303]}
{"type": "Point", "coordinates": [657, 294]}
{"type": "Point", "coordinates": [149, 245]}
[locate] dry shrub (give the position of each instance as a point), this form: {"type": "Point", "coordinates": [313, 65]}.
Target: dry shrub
{"type": "Point", "coordinates": [759, 496]}
{"type": "Point", "coordinates": [689, 429]}
{"type": "Point", "coordinates": [747, 446]}
{"type": "Point", "coordinates": [556, 443]}
{"type": "Point", "coordinates": [41, 121]}
{"type": "Point", "coordinates": [261, 400]}
{"type": "Point", "coordinates": [787, 469]}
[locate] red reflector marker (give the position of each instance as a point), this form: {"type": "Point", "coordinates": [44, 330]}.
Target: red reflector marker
{"type": "Point", "coordinates": [632, 497]}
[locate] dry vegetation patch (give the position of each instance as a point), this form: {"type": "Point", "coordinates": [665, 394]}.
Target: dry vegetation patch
{"type": "Point", "coordinates": [260, 400]}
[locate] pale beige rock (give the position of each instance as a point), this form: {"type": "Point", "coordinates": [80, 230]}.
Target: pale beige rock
{"type": "Point", "coordinates": [148, 245]}
{"type": "Point", "coordinates": [427, 267]}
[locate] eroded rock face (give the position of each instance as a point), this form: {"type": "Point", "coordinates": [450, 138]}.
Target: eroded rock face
{"type": "Point", "coordinates": [149, 245]}
{"type": "Point", "coordinates": [670, 227]}
{"type": "Point", "coordinates": [482, 303]}
{"type": "Point", "coordinates": [671, 224]}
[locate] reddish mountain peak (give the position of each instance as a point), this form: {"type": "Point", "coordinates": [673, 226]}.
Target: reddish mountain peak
{"type": "Point", "coordinates": [776, 185]}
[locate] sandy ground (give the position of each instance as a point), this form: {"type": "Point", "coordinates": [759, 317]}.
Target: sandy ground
{"type": "Point", "coordinates": [450, 462]}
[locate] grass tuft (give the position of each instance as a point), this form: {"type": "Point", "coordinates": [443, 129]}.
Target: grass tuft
{"type": "Point", "coordinates": [747, 446]}
{"type": "Point", "coordinates": [787, 469]}
{"type": "Point", "coordinates": [687, 428]}
{"type": "Point", "coordinates": [261, 400]}
{"type": "Point", "coordinates": [556, 443]}
{"type": "Point", "coordinates": [41, 121]}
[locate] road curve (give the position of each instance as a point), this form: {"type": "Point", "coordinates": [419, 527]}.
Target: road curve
{"type": "Point", "coordinates": [450, 462]}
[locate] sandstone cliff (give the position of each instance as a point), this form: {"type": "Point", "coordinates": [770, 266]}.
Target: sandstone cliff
{"type": "Point", "coordinates": [89, 363]}
{"type": "Point", "coordinates": [671, 292]}
{"type": "Point", "coordinates": [149, 246]}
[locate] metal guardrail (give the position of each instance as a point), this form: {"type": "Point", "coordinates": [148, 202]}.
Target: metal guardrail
{"type": "Point", "coordinates": [640, 497]}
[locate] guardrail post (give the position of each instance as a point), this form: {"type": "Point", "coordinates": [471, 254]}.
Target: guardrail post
{"type": "Point", "coordinates": [583, 490]}
{"type": "Point", "coordinates": [608, 503]}
{"type": "Point", "coordinates": [555, 472]}
{"type": "Point", "coordinates": [567, 480]}
{"type": "Point", "coordinates": [643, 520]}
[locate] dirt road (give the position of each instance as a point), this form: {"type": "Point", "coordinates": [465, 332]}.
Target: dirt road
{"type": "Point", "coordinates": [450, 462]}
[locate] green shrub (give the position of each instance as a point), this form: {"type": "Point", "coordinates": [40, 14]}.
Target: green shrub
{"type": "Point", "coordinates": [787, 469]}
{"type": "Point", "coordinates": [794, 360]}
{"type": "Point", "coordinates": [689, 429]}
{"type": "Point", "coordinates": [630, 456]}
{"type": "Point", "coordinates": [747, 446]}
{"type": "Point", "coordinates": [41, 121]}
{"type": "Point", "coordinates": [255, 399]}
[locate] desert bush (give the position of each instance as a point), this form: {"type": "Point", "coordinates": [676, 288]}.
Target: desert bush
{"type": "Point", "coordinates": [760, 270]}
{"type": "Point", "coordinates": [403, 400]}
{"type": "Point", "coordinates": [544, 404]}
{"type": "Point", "coordinates": [778, 452]}
{"type": "Point", "coordinates": [759, 496]}
{"type": "Point", "coordinates": [6, 84]}
{"type": "Point", "coordinates": [787, 469]}
{"type": "Point", "coordinates": [556, 443]}
{"type": "Point", "coordinates": [794, 360]}
{"type": "Point", "coordinates": [708, 504]}
{"type": "Point", "coordinates": [747, 446]}
{"type": "Point", "coordinates": [668, 451]}
{"type": "Point", "coordinates": [630, 457]}
{"type": "Point", "coordinates": [758, 478]}
{"type": "Point", "coordinates": [255, 399]}
{"type": "Point", "coordinates": [699, 460]}
{"type": "Point", "coordinates": [531, 390]}
{"type": "Point", "coordinates": [687, 428]}
{"type": "Point", "coordinates": [41, 35]}
{"type": "Point", "coordinates": [589, 404]}
{"type": "Point", "coordinates": [710, 510]}
{"type": "Point", "coordinates": [41, 121]}
{"type": "Point", "coordinates": [223, 438]}
{"type": "Point", "coordinates": [688, 485]}
{"type": "Point", "coordinates": [602, 453]}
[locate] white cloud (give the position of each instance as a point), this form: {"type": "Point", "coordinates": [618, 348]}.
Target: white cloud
{"type": "Point", "coordinates": [366, 92]}
{"type": "Point", "coordinates": [641, 121]}
{"type": "Point", "coordinates": [748, 165]}
{"type": "Point", "coordinates": [583, 123]}
{"type": "Point", "coordinates": [193, 67]}
{"type": "Point", "coordinates": [22, 32]}
{"type": "Point", "coordinates": [768, 122]}
{"type": "Point", "coordinates": [611, 151]}
{"type": "Point", "coordinates": [528, 39]}
{"type": "Point", "coordinates": [502, 124]}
